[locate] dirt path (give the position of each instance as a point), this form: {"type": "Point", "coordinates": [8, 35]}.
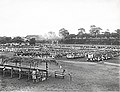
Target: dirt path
{"type": "Point", "coordinates": [114, 64]}
{"type": "Point", "coordinates": [77, 62]}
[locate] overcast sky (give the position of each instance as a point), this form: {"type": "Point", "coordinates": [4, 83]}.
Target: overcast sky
{"type": "Point", "coordinates": [36, 17]}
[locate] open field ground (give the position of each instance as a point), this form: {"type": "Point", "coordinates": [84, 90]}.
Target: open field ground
{"type": "Point", "coordinates": [91, 77]}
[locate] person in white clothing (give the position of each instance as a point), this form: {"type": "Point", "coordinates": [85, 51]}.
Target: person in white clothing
{"type": "Point", "coordinates": [34, 77]}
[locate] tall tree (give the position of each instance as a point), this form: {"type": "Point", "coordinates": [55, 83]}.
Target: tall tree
{"type": "Point", "coordinates": [118, 32]}
{"type": "Point", "coordinates": [63, 33]}
{"type": "Point", "coordinates": [81, 31]}
{"type": "Point", "coordinates": [94, 30]}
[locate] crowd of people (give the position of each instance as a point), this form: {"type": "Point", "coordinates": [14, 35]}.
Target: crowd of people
{"type": "Point", "coordinates": [91, 52]}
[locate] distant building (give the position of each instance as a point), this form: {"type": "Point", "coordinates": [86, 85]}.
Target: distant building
{"type": "Point", "coordinates": [37, 37]}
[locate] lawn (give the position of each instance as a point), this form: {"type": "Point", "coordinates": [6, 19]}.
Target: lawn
{"type": "Point", "coordinates": [85, 78]}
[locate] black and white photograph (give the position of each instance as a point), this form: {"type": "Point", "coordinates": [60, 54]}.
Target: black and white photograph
{"type": "Point", "coordinates": [59, 45]}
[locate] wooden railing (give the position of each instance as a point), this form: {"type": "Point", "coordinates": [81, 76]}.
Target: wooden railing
{"type": "Point", "coordinates": [20, 71]}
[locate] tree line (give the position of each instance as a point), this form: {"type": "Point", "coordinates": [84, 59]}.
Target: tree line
{"type": "Point", "coordinates": [18, 39]}
{"type": "Point", "coordinates": [93, 37]}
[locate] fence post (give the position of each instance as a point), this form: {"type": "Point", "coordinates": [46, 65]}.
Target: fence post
{"type": "Point", "coordinates": [4, 71]}
{"type": "Point", "coordinates": [29, 74]}
{"type": "Point", "coordinates": [11, 72]}
{"type": "Point", "coordinates": [46, 69]}
{"type": "Point", "coordinates": [19, 73]}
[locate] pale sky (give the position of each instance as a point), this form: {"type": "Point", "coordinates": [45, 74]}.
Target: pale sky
{"type": "Point", "coordinates": [36, 17]}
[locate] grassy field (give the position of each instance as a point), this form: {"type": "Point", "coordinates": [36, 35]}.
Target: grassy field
{"type": "Point", "coordinates": [114, 60]}
{"type": "Point", "coordinates": [87, 77]}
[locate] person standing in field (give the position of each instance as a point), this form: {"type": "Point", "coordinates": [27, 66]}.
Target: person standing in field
{"type": "Point", "coordinates": [37, 75]}
{"type": "Point", "coordinates": [34, 77]}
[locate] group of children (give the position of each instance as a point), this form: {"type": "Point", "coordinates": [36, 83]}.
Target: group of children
{"type": "Point", "coordinates": [92, 57]}
{"type": "Point", "coordinates": [37, 76]}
